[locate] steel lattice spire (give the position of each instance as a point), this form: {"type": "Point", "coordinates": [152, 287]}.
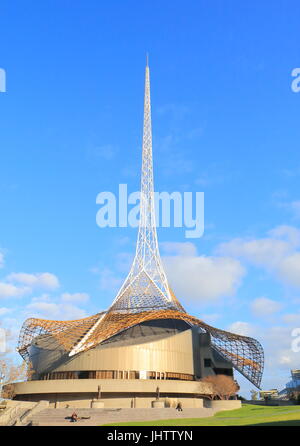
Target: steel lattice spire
{"type": "Point", "coordinates": [145, 295]}
{"type": "Point", "coordinates": [146, 286]}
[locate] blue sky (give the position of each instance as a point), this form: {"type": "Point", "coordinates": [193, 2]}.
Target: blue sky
{"type": "Point", "coordinates": [225, 121]}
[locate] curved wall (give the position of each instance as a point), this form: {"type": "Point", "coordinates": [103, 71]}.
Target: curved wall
{"type": "Point", "coordinates": [170, 354]}
{"type": "Point", "coordinates": [163, 347]}
{"type": "Point", "coordinates": [115, 393]}
{"type": "Point", "coordinates": [160, 345]}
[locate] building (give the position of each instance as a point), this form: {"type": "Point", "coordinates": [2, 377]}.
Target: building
{"type": "Point", "coordinates": [144, 345]}
{"type": "Point", "coordinates": [268, 394]}
{"type": "Point", "coordinates": [292, 388]}
{"type": "Point", "coordinates": [294, 384]}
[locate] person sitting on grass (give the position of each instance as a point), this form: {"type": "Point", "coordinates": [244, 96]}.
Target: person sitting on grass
{"type": "Point", "coordinates": [74, 417]}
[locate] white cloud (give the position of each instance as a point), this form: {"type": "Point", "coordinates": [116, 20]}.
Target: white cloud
{"type": "Point", "coordinates": [181, 249]}
{"type": "Point", "coordinates": [8, 290]}
{"type": "Point", "coordinates": [108, 279]}
{"type": "Point", "coordinates": [285, 359]}
{"type": "Point", "coordinates": [1, 259]}
{"type": "Point", "coordinates": [75, 297]}
{"type": "Point", "coordinates": [4, 310]}
{"type": "Point", "coordinates": [290, 233]}
{"type": "Point", "coordinates": [289, 269]}
{"type": "Point", "coordinates": [57, 311]}
{"type": "Point", "coordinates": [277, 341]}
{"type": "Point", "coordinates": [292, 319]}
{"type": "Point", "coordinates": [277, 254]}
{"type": "Point", "coordinates": [210, 318]}
{"type": "Point", "coordinates": [49, 307]}
{"type": "Point", "coordinates": [241, 328]}
{"type": "Point", "coordinates": [201, 278]}
{"type": "Point", "coordinates": [42, 298]}
{"type": "Point", "coordinates": [12, 329]}
{"type": "Point", "coordinates": [293, 207]}
{"type": "Point", "coordinates": [38, 280]}
{"type": "Point", "coordinates": [121, 241]}
{"type": "Point", "coordinates": [124, 261]}
{"type": "Point", "coordinates": [262, 306]}
{"type": "Point", "coordinates": [262, 252]}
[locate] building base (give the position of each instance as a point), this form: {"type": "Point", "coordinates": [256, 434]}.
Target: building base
{"type": "Point", "coordinates": [82, 393]}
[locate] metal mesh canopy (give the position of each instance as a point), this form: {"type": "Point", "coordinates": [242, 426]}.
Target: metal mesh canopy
{"type": "Point", "coordinates": [145, 295]}
{"type": "Point", "coordinates": [245, 353]}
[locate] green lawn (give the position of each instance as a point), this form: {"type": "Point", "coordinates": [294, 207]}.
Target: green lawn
{"type": "Point", "coordinates": [247, 415]}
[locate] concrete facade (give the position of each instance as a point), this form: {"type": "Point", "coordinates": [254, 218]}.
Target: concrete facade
{"type": "Point", "coordinates": [115, 393]}
{"type": "Point", "coordinates": [225, 404]}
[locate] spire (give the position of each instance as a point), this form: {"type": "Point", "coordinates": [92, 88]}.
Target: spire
{"type": "Point", "coordinates": [146, 286]}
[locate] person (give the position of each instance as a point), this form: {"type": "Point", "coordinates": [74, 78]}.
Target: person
{"type": "Point", "coordinates": [179, 407]}
{"type": "Point", "coordinates": [74, 417]}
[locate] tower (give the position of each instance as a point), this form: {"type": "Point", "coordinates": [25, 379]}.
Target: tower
{"type": "Point", "coordinates": [144, 317]}
{"type": "Point", "coordinates": [146, 286]}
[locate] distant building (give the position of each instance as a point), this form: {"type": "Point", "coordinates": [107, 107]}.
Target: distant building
{"type": "Point", "coordinates": [294, 384]}
{"type": "Point", "coordinates": [268, 394]}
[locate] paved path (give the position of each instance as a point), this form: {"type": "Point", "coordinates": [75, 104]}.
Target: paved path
{"type": "Point", "coordinates": [56, 417]}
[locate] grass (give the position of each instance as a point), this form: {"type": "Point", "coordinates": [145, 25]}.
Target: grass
{"type": "Point", "coordinates": [248, 415]}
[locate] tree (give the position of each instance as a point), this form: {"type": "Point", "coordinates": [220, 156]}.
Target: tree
{"type": "Point", "coordinates": [11, 373]}
{"type": "Point", "coordinates": [223, 387]}
{"type": "Point", "coordinates": [254, 394]}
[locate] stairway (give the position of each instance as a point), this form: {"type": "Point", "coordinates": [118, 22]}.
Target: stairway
{"type": "Point", "coordinates": [56, 417]}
